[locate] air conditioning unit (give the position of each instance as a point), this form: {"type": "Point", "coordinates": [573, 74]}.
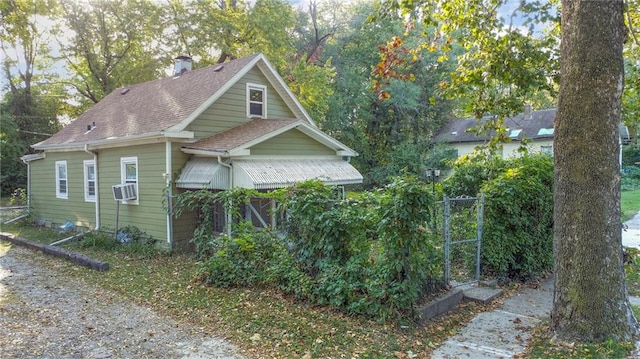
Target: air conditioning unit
{"type": "Point", "coordinates": [124, 192]}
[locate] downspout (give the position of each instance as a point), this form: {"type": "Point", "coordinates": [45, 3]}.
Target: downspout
{"type": "Point", "coordinates": [167, 177]}
{"type": "Point", "coordinates": [229, 219]}
{"type": "Point", "coordinates": [28, 185]}
{"type": "Point", "coordinates": [95, 164]}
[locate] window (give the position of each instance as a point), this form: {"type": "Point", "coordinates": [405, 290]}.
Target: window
{"type": "Point", "coordinates": [514, 133]}
{"type": "Point", "coordinates": [256, 100]}
{"type": "Point", "coordinates": [129, 174]}
{"type": "Point", "coordinates": [547, 150]}
{"type": "Point", "coordinates": [89, 181]}
{"type": "Point", "coordinates": [61, 180]}
{"type": "Point", "coordinates": [545, 132]}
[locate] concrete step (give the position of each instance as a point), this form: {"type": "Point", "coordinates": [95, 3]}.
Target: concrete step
{"type": "Point", "coordinates": [440, 305]}
{"type": "Point", "coordinates": [482, 295]}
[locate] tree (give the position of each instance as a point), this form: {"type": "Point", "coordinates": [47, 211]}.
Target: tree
{"type": "Point", "coordinates": [391, 135]}
{"type": "Point", "coordinates": [112, 45]}
{"type": "Point", "coordinates": [590, 298]}
{"type": "Point", "coordinates": [229, 29]}
{"type": "Point", "coordinates": [28, 110]}
{"type": "Point", "coordinates": [631, 53]}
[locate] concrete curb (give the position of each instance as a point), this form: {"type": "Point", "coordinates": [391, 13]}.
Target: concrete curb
{"type": "Point", "coordinates": [77, 258]}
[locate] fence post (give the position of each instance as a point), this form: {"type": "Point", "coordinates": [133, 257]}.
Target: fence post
{"type": "Point", "coordinates": [447, 239]}
{"type": "Point", "coordinates": [480, 217]}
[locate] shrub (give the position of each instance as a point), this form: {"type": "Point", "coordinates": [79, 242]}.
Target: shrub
{"type": "Point", "coordinates": [130, 240]}
{"type": "Point", "coordinates": [630, 154]}
{"type": "Point", "coordinates": [630, 180]}
{"type": "Point", "coordinates": [470, 172]}
{"type": "Point", "coordinates": [321, 228]}
{"type": "Point", "coordinates": [518, 231]}
{"type": "Point", "coordinates": [372, 255]}
{"type": "Point", "coordinates": [253, 258]}
{"type": "Point", "coordinates": [518, 221]}
{"type": "Point", "coordinates": [409, 257]}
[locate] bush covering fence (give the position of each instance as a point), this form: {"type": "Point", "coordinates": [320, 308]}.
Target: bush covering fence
{"type": "Point", "coordinates": [378, 253]}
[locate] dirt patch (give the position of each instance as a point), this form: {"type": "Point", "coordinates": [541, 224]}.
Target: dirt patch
{"type": "Point", "coordinates": [44, 314]}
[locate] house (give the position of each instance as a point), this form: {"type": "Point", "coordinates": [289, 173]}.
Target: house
{"type": "Point", "coordinates": [232, 124]}
{"type": "Point", "coordinates": [536, 126]}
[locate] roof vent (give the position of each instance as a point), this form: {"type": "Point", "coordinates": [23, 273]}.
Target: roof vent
{"type": "Point", "coordinates": [183, 64]}
{"type": "Point", "coordinates": [90, 127]}
{"type": "Point", "coordinates": [124, 91]}
{"type": "Point", "coordinates": [218, 68]}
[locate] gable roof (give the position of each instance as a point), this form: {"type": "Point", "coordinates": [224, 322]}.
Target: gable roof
{"type": "Point", "coordinates": [240, 138]}
{"type": "Point", "coordinates": [538, 127]}
{"type": "Point", "coordinates": [164, 107]}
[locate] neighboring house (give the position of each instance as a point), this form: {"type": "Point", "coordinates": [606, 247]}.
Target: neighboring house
{"type": "Point", "coordinates": [233, 124]}
{"type": "Point", "coordinates": [536, 126]}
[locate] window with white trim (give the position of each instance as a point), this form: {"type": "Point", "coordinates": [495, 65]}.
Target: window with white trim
{"type": "Point", "coordinates": [547, 150]}
{"type": "Point", "coordinates": [61, 180]}
{"type": "Point", "coordinates": [256, 100]}
{"type": "Point", "coordinates": [89, 181]}
{"type": "Point", "coordinates": [129, 174]}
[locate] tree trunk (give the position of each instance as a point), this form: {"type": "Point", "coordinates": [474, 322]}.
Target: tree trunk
{"type": "Point", "coordinates": [590, 299]}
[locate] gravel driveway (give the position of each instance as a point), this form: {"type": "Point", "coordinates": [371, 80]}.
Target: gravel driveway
{"type": "Point", "coordinates": [44, 315]}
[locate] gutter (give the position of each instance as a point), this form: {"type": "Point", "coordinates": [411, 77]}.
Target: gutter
{"type": "Point", "coordinates": [151, 137]}
{"type": "Point", "coordinates": [95, 164]}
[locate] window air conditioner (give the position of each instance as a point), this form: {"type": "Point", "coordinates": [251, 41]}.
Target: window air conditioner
{"type": "Point", "coordinates": [124, 192]}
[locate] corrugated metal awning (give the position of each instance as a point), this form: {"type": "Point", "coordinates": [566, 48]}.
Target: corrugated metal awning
{"type": "Point", "coordinates": [204, 173]}
{"type": "Point", "coordinates": [271, 174]}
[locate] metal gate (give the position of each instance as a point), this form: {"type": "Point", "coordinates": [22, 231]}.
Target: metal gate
{"type": "Point", "coordinates": [462, 234]}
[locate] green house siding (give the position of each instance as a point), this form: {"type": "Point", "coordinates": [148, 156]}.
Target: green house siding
{"type": "Point", "coordinates": [149, 215]}
{"type": "Point", "coordinates": [45, 206]}
{"type": "Point", "coordinates": [291, 143]}
{"type": "Point", "coordinates": [184, 225]}
{"type": "Point", "coordinates": [230, 110]}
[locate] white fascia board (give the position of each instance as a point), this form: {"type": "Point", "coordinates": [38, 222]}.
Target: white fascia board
{"type": "Point", "coordinates": [143, 139]}
{"type": "Point", "coordinates": [180, 134]}
{"type": "Point", "coordinates": [222, 90]}
{"type": "Point", "coordinates": [240, 152]}
{"type": "Point", "coordinates": [283, 89]}
{"type": "Point", "coordinates": [204, 153]}
{"type": "Point", "coordinates": [33, 157]}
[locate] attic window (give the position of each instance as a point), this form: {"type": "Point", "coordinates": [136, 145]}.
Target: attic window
{"type": "Point", "coordinates": [256, 100]}
{"type": "Point", "coordinates": [515, 133]}
{"type": "Point", "coordinates": [545, 132]}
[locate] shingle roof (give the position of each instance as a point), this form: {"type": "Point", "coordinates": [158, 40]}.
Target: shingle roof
{"type": "Point", "coordinates": [148, 107]}
{"type": "Point", "coordinates": [539, 126]}
{"type": "Point", "coordinates": [239, 135]}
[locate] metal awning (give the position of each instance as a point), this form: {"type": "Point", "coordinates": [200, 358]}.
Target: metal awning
{"type": "Point", "coordinates": [204, 173]}
{"type": "Point", "coordinates": [278, 173]}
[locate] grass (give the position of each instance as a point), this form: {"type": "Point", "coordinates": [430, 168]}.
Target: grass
{"type": "Point", "coordinates": [262, 323]}
{"type": "Point", "coordinates": [630, 204]}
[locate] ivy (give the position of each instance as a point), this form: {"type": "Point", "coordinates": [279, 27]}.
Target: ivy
{"type": "Point", "coordinates": [518, 232]}
{"type": "Point", "coordinates": [372, 254]}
